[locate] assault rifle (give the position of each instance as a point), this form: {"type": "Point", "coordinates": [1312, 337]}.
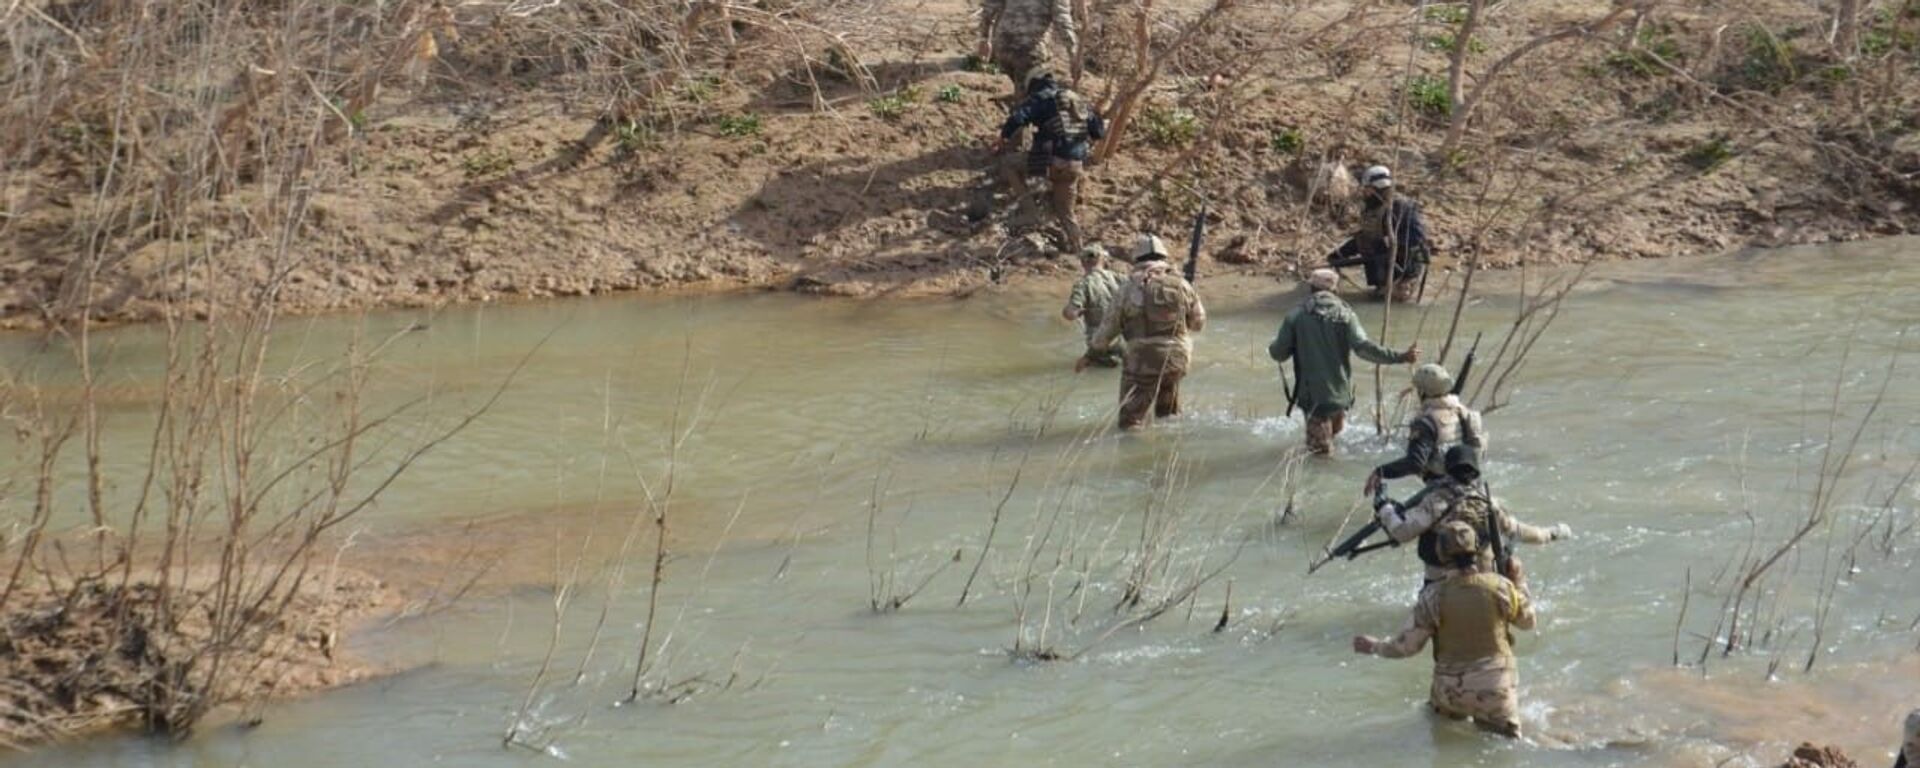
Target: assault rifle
{"type": "Point", "coordinates": [1192, 269]}
{"type": "Point", "coordinates": [1356, 545]}
{"type": "Point", "coordinates": [1466, 366]}
{"type": "Point", "coordinates": [1496, 536]}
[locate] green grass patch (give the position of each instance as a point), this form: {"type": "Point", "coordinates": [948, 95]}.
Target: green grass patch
{"type": "Point", "coordinates": [948, 94]}
{"type": "Point", "coordinates": [1286, 141]}
{"type": "Point", "coordinates": [739, 126]}
{"type": "Point", "coordinates": [974, 63]}
{"type": "Point", "coordinates": [1427, 94]}
{"type": "Point", "coordinates": [491, 162]}
{"type": "Point", "coordinates": [1447, 14]}
{"type": "Point", "coordinates": [1170, 127]}
{"type": "Point", "coordinates": [1655, 44]}
{"type": "Point", "coordinates": [1448, 41]}
{"type": "Point", "coordinates": [1709, 155]}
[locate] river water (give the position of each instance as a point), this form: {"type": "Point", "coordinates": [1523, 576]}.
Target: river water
{"type": "Point", "coordinates": [1663, 388]}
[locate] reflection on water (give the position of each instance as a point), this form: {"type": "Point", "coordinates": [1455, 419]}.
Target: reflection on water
{"type": "Point", "coordinates": [1660, 380]}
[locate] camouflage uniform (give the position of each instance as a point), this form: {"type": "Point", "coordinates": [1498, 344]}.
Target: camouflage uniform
{"type": "Point", "coordinates": [1090, 299]}
{"type": "Point", "coordinates": [1017, 30]}
{"type": "Point", "coordinates": [1156, 311]}
{"type": "Point", "coordinates": [1469, 616]}
{"type": "Point", "coordinates": [1392, 234]}
{"type": "Point", "coordinates": [1321, 336]}
{"type": "Point", "coordinates": [1438, 503]}
{"type": "Point", "coordinates": [1443, 422]}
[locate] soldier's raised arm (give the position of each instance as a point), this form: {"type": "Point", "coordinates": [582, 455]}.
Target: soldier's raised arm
{"type": "Point", "coordinates": [1371, 352]}
{"type": "Point", "coordinates": [1512, 528]}
{"type": "Point", "coordinates": [1411, 639]}
{"type": "Point", "coordinates": [1196, 312]}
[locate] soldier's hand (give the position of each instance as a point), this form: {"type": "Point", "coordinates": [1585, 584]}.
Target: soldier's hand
{"type": "Point", "coordinates": [1363, 645]}
{"type": "Point", "coordinates": [1561, 532]}
{"type": "Point", "coordinates": [1080, 365]}
{"type": "Point", "coordinates": [1373, 483]}
{"type": "Point", "coordinates": [1413, 353]}
{"type": "Point", "coordinates": [1514, 572]}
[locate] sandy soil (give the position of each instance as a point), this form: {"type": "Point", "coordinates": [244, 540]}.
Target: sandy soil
{"type": "Point", "coordinates": [463, 194]}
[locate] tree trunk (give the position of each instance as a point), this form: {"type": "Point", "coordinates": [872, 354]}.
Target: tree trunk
{"type": "Point", "coordinates": [1457, 67]}
{"type": "Point", "coordinates": [1846, 29]}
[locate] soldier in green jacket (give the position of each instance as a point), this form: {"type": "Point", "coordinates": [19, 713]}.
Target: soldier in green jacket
{"type": "Point", "coordinates": [1320, 337]}
{"type": "Point", "coordinates": [1092, 296]}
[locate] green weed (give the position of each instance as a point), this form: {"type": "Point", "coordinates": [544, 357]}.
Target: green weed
{"type": "Point", "coordinates": [1170, 127]}
{"type": "Point", "coordinates": [1427, 94]}
{"type": "Point", "coordinates": [487, 163]}
{"type": "Point", "coordinates": [974, 63]}
{"type": "Point", "coordinates": [1768, 64]}
{"type": "Point", "coordinates": [889, 107]}
{"type": "Point", "coordinates": [1448, 41]}
{"type": "Point", "coordinates": [1286, 141]}
{"type": "Point", "coordinates": [1654, 41]}
{"type": "Point", "coordinates": [1709, 155]}
{"type": "Point", "coordinates": [948, 94]}
{"type": "Point", "coordinates": [1447, 14]}
{"type": "Point", "coordinates": [739, 126]}
{"type": "Point", "coordinates": [634, 136]}
{"type": "Point", "coordinates": [701, 90]}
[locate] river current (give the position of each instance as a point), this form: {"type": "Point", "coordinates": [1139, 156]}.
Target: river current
{"type": "Point", "coordinates": [835, 454]}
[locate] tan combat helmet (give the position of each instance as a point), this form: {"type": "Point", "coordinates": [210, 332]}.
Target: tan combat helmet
{"type": "Point", "coordinates": [1093, 252]}
{"type": "Point", "coordinates": [1456, 541]}
{"type": "Point", "coordinates": [1431, 380]}
{"type": "Point", "coordinates": [1148, 248]}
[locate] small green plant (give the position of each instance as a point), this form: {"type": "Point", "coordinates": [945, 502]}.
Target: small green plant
{"type": "Point", "coordinates": [948, 94]}
{"type": "Point", "coordinates": [889, 107]}
{"type": "Point", "coordinates": [702, 90]}
{"type": "Point", "coordinates": [1427, 94]}
{"type": "Point", "coordinates": [1447, 14]}
{"type": "Point", "coordinates": [1286, 141]}
{"type": "Point", "coordinates": [1709, 155]}
{"type": "Point", "coordinates": [487, 163]}
{"type": "Point", "coordinates": [634, 136]}
{"type": "Point", "coordinates": [1170, 127]}
{"type": "Point", "coordinates": [1769, 61]}
{"type": "Point", "coordinates": [739, 126]}
{"type": "Point", "coordinates": [974, 63]}
{"type": "Point", "coordinates": [1654, 45]}
{"type": "Point", "coordinates": [1836, 74]}
{"type": "Point", "coordinates": [1448, 41]}
{"type": "Point", "coordinates": [1882, 34]}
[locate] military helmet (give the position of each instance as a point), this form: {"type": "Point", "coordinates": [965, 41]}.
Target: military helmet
{"type": "Point", "coordinates": [1093, 251]}
{"type": "Point", "coordinates": [1377, 177]}
{"type": "Point", "coordinates": [1042, 71]}
{"type": "Point", "coordinates": [1431, 380]}
{"type": "Point", "coordinates": [1455, 540]}
{"type": "Point", "coordinates": [1463, 463]}
{"type": "Point", "coordinates": [1148, 248]}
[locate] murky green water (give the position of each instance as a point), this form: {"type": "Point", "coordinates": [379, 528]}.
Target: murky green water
{"type": "Point", "coordinates": [1629, 424]}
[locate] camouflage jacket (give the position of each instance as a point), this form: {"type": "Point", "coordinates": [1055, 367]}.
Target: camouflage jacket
{"type": "Point", "coordinates": [1092, 294]}
{"type": "Point", "coordinates": [1156, 312]}
{"type": "Point", "coordinates": [1026, 22]}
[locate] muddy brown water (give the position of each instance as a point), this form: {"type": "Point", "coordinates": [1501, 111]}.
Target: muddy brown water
{"type": "Point", "coordinates": [1662, 386]}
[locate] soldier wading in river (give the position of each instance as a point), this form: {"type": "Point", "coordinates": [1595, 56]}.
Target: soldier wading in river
{"type": "Point", "coordinates": [1443, 422]}
{"type": "Point", "coordinates": [1469, 616]}
{"type": "Point", "coordinates": [1459, 496]}
{"type": "Point", "coordinates": [1064, 129]}
{"type": "Point", "coordinates": [1092, 296]}
{"type": "Point", "coordinates": [1320, 337]}
{"type": "Point", "coordinates": [1156, 312]}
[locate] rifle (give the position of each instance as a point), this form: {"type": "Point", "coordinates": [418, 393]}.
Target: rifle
{"type": "Point", "coordinates": [1496, 537]}
{"type": "Point", "coordinates": [1355, 545]}
{"type": "Point", "coordinates": [1193, 244]}
{"type": "Point", "coordinates": [1466, 367]}
{"type": "Point", "coordinates": [1285, 388]}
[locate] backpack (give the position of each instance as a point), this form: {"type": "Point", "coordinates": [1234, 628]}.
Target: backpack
{"type": "Point", "coordinates": [1073, 120]}
{"type": "Point", "coordinates": [1475, 509]}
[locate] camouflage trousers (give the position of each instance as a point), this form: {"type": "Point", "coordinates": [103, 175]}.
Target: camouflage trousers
{"type": "Point", "coordinates": [1063, 182]}
{"type": "Point", "coordinates": [1321, 430]}
{"type": "Point", "coordinates": [1154, 391]}
{"type": "Point", "coordinates": [1488, 693]}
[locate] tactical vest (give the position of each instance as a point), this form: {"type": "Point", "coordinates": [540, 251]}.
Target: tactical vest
{"type": "Point", "coordinates": [1374, 233]}
{"type": "Point", "coordinates": [1102, 288]}
{"type": "Point", "coordinates": [1472, 624]}
{"type": "Point", "coordinates": [1162, 311]}
{"type": "Point", "coordinates": [1069, 122]}
{"type": "Point", "coordinates": [1471, 506]}
{"type": "Point", "coordinates": [1448, 420]}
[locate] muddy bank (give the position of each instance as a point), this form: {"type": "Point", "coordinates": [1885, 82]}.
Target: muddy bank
{"type": "Point", "coordinates": [105, 654]}
{"type": "Point", "coordinates": [462, 188]}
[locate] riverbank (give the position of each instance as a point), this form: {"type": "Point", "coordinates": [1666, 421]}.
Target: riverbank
{"type": "Point", "coordinates": [463, 185]}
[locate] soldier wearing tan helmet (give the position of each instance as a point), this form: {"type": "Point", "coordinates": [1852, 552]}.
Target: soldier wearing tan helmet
{"type": "Point", "coordinates": [1091, 298]}
{"type": "Point", "coordinates": [1470, 617]}
{"type": "Point", "coordinates": [1459, 496]}
{"type": "Point", "coordinates": [1443, 422]}
{"type": "Point", "coordinates": [1157, 313]}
